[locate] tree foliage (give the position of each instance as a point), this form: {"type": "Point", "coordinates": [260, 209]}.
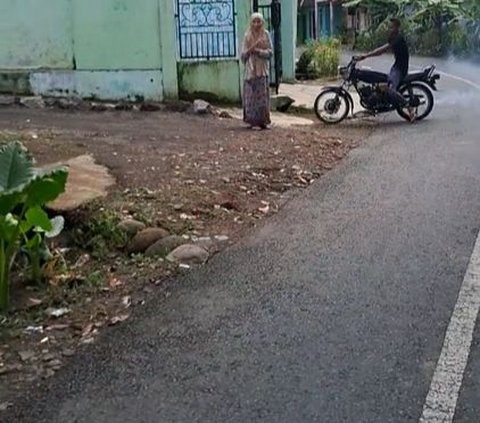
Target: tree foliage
{"type": "Point", "coordinates": [434, 26]}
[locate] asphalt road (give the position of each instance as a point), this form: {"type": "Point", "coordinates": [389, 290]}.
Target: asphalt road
{"type": "Point", "coordinates": [335, 311]}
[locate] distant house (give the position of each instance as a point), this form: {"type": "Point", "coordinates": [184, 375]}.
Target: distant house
{"type": "Point", "coordinates": [319, 18]}
{"type": "Point", "coordinates": [357, 20]}
{"type": "Point", "coordinates": [329, 18]}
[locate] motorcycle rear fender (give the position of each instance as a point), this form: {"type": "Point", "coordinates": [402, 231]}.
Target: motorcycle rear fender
{"type": "Point", "coordinates": [429, 84]}
{"type": "Point", "coordinates": [432, 82]}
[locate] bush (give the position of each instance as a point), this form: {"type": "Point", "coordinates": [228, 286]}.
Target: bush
{"type": "Point", "coordinates": [320, 59]}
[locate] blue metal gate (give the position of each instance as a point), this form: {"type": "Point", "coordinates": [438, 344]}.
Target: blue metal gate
{"type": "Point", "coordinates": [206, 29]}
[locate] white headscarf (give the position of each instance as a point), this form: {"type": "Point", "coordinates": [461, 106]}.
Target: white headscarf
{"type": "Point", "coordinates": [256, 38]}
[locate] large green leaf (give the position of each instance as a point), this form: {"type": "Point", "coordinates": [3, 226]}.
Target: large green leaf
{"type": "Point", "coordinates": [9, 201]}
{"type": "Point", "coordinates": [16, 168]}
{"type": "Point", "coordinates": [16, 172]}
{"type": "Point", "coordinates": [37, 218]}
{"type": "Point", "coordinates": [46, 186]}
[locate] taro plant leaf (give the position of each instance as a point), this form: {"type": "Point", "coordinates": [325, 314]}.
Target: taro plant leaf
{"type": "Point", "coordinates": [33, 249]}
{"type": "Point", "coordinates": [8, 227]}
{"type": "Point", "coordinates": [36, 217]}
{"type": "Point", "coordinates": [8, 239]}
{"type": "Point", "coordinates": [58, 222]}
{"type": "Point", "coordinates": [46, 186]}
{"type": "Point", "coordinates": [16, 171]}
{"type": "Point", "coordinates": [24, 191]}
{"type": "Point", "coordinates": [16, 167]}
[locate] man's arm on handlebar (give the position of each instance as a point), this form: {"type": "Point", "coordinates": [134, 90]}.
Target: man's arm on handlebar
{"type": "Point", "coordinates": [377, 52]}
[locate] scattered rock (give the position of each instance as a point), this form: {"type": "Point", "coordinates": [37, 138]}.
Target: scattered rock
{"type": "Point", "coordinates": [208, 245]}
{"type": "Point", "coordinates": [35, 102]}
{"type": "Point", "coordinates": [119, 319]}
{"type": "Point", "coordinates": [34, 329]}
{"type": "Point", "coordinates": [57, 312]}
{"type": "Point", "coordinates": [145, 238]}
{"type": "Point", "coordinates": [201, 107]}
{"type": "Point", "coordinates": [228, 202]}
{"type": "Point", "coordinates": [188, 254]}
{"type": "Point", "coordinates": [131, 226]}
{"type": "Point", "coordinates": [57, 327]}
{"type": "Point", "coordinates": [99, 107]}
{"type": "Point", "coordinates": [178, 106]}
{"type": "Point", "coordinates": [4, 406]}
{"type": "Point", "coordinates": [221, 238]}
{"type": "Point", "coordinates": [150, 107]}
{"type": "Point", "coordinates": [87, 181]}
{"type": "Point", "coordinates": [68, 353]}
{"type": "Point", "coordinates": [164, 246]}
{"type": "Point", "coordinates": [9, 369]}
{"type": "Point", "coordinates": [70, 103]}
{"type": "Point", "coordinates": [48, 373]}
{"type": "Point", "coordinates": [124, 106]}
{"type": "Point", "coordinates": [34, 302]}
{"type": "Point", "coordinates": [7, 100]}
{"type": "Point", "coordinates": [225, 115]}
{"type": "Point", "coordinates": [55, 364]}
{"type": "Point", "coordinates": [281, 102]}
{"type": "Point", "coordinates": [26, 355]}
{"type": "Point", "coordinates": [48, 357]}
{"type": "Point", "coordinates": [127, 301]}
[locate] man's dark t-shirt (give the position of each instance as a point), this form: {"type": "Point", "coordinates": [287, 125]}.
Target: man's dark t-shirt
{"type": "Point", "coordinates": [399, 47]}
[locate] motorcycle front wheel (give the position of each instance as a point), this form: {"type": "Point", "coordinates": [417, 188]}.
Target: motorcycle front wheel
{"type": "Point", "coordinates": [332, 106]}
{"type": "Point", "coordinates": [418, 96]}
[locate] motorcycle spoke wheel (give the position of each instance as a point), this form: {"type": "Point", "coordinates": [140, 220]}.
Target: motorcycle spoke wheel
{"type": "Point", "coordinates": [332, 107]}
{"type": "Point", "coordinates": [420, 98]}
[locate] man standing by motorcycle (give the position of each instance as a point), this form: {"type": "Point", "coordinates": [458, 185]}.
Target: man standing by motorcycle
{"type": "Point", "coordinates": [398, 45]}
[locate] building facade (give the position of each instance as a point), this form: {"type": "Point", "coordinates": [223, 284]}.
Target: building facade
{"type": "Point", "coordinates": [129, 49]}
{"type": "Point", "coordinates": [319, 19]}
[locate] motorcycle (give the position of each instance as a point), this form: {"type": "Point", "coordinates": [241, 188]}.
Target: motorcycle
{"type": "Point", "coordinates": [334, 103]}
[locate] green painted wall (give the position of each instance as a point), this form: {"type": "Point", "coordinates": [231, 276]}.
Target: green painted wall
{"type": "Point", "coordinates": [213, 80]}
{"type": "Point", "coordinates": [289, 38]}
{"type": "Point", "coordinates": [109, 47]}
{"type": "Point", "coordinates": [168, 48]}
{"type": "Point", "coordinates": [117, 34]}
{"type": "Point", "coordinates": [36, 34]}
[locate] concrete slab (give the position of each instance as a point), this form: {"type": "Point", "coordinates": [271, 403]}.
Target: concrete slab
{"type": "Point", "coordinates": [87, 181]}
{"type": "Point", "coordinates": [282, 120]}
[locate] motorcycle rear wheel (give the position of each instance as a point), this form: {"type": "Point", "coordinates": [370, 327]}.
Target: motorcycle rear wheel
{"type": "Point", "coordinates": [330, 102]}
{"type": "Point", "coordinates": [425, 97]}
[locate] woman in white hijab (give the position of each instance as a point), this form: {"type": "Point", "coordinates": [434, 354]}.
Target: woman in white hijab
{"type": "Point", "coordinates": [256, 53]}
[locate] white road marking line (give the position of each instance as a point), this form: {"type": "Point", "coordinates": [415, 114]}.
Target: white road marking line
{"type": "Point", "coordinates": [442, 397]}
{"type": "Point", "coordinates": [459, 78]}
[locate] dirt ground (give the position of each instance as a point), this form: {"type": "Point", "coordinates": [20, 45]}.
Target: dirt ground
{"type": "Point", "coordinates": [195, 176]}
